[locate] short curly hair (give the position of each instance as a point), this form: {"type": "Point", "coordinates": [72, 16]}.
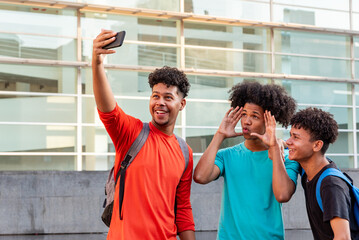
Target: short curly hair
{"type": "Point", "coordinates": [320, 125]}
{"type": "Point", "coordinates": [271, 97]}
{"type": "Point", "coordinates": [170, 76]}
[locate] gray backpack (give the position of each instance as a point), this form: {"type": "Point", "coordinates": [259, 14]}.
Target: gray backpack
{"type": "Point", "coordinates": [129, 157]}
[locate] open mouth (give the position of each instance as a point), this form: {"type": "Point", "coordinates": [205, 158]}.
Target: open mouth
{"type": "Point", "coordinates": [245, 130]}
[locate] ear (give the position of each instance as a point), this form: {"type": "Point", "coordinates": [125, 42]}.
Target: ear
{"type": "Point", "coordinates": [317, 145]}
{"type": "Point", "coordinates": [183, 104]}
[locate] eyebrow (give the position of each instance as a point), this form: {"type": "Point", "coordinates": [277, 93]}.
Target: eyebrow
{"type": "Point", "coordinates": [166, 93]}
{"type": "Point", "coordinates": [295, 134]}
{"type": "Point", "coordinates": [255, 112]}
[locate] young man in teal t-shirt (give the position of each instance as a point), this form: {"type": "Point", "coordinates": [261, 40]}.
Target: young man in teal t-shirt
{"type": "Point", "coordinates": [254, 183]}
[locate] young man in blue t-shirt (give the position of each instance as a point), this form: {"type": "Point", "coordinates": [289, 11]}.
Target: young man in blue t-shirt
{"type": "Point", "coordinates": [254, 184]}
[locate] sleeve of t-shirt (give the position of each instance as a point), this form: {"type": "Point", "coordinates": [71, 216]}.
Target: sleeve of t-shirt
{"type": "Point", "coordinates": [219, 161]}
{"type": "Point", "coordinates": [122, 128]}
{"type": "Point", "coordinates": [184, 215]}
{"type": "Point", "coordinates": [335, 195]}
{"type": "Point", "coordinates": [292, 167]}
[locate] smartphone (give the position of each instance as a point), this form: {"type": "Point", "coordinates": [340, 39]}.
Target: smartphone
{"type": "Point", "coordinates": [120, 36]}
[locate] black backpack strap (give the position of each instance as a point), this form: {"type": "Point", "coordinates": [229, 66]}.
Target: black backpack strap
{"type": "Point", "coordinates": [130, 155]}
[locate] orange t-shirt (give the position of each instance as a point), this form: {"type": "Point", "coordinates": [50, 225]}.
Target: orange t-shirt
{"type": "Point", "coordinates": [151, 183]}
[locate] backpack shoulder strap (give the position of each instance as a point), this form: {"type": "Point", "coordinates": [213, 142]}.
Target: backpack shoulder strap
{"type": "Point", "coordinates": [185, 151]}
{"type": "Point", "coordinates": [329, 172]}
{"type": "Point", "coordinates": [135, 148]}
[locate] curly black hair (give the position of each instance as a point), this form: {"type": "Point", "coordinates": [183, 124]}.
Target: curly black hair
{"type": "Point", "coordinates": [320, 124]}
{"type": "Point", "coordinates": [271, 97]}
{"type": "Point", "coordinates": [170, 76]}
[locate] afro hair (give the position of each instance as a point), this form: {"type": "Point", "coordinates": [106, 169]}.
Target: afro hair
{"type": "Point", "coordinates": [170, 76]}
{"type": "Point", "coordinates": [270, 97]}
{"type": "Point", "coordinates": [320, 125]}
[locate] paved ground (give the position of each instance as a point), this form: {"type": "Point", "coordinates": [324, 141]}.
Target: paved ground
{"type": "Point", "coordinates": [290, 235]}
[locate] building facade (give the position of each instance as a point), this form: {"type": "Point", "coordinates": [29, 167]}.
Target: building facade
{"type": "Point", "coordinates": [49, 120]}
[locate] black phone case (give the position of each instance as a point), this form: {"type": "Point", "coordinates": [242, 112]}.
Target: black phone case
{"type": "Point", "coordinates": [120, 36]}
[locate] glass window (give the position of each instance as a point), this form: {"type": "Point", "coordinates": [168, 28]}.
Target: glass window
{"type": "Point", "coordinates": [227, 60]}
{"type": "Point", "coordinates": [37, 47]}
{"type": "Point", "coordinates": [213, 112]}
{"type": "Point", "coordinates": [355, 6]}
{"type": "Point", "coordinates": [172, 5]}
{"type": "Point", "coordinates": [199, 139]}
{"type": "Point", "coordinates": [37, 163]}
{"type": "Point", "coordinates": [355, 21]}
{"type": "Point", "coordinates": [258, 11]}
{"type": "Point", "coordinates": [357, 110]}
{"type": "Point", "coordinates": [48, 109]}
{"type": "Point", "coordinates": [310, 16]}
{"type": "Point", "coordinates": [312, 43]}
{"type": "Point", "coordinates": [123, 83]}
{"type": "Point", "coordinates": [214, 87]}
{"type": "Point", "coordinates": [136, 108]}
{"type": "Point", "coordinates": [96, 140]}
{"type": "Point", "coordinates": [335, 68]}
{"type": "Point", "coordinates": [97, 163]}
{"type": "Point", "coordinates": [37, 138]}
{"type": "Point", "coordinates": [329, 4]}
{"type": "Point", "coordinates": [356, 69]}
{"type": "Point", "coordinates": [343, 116]}
{"type": "Point", "coordinates": [356, 47]}
{"type": "Point", "coordinates": [137, 29]}
{"type": "Point", "coordinates": [143, 55]}
{"type": "Point", "coordinates": [342, 161]}
{"type": "Point", "coordinates": [225, 36]}
{"type": "Point", "coordinates": [40, 79]}
{"type": "Point", "coordinates": [315, 92]}
{"type": "Point", "coordinates": [343, 144]}
{"type": "Point", "coordinates": [39, 20]}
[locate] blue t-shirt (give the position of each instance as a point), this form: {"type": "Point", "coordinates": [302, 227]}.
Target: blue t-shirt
{"type": "Point", "coordinates": [249, 209]}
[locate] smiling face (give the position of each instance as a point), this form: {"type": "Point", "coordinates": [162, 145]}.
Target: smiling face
{"type": "Point", "coordinates": [301, 146]}
{"type": "Point", "coordinates": [165, 103]}
{"type": "Point", "coordinates": [252, 120]}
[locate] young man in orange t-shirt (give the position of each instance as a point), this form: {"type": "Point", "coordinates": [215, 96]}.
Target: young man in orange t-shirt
{"type": "Point", "coordinates": [156, 179]}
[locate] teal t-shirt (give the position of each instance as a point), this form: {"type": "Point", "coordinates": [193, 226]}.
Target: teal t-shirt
{"type": "Point", "coordinates": [249, 209]}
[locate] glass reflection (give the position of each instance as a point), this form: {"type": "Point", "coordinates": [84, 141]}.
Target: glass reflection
{"type": "Point", "coordinates": [33, 138]}
{"type": "Point", "coordinates": [258, 11]}
{"type": "Point", "coordinates": [329, 4]}
{"type": "Point", "coordinates": [342, 115]}
{"type": "Point", "coordinates": [48, 109]}
{"type": "Point", "coordinates": [226, 36]}
{"type": "Point", "coordinates": [315, 92]}
{"type": "Point", "coordinates": [39, 20]}
{"type": "Point", "coordinates": [135, 108]}
{"type": "Point", "coordinates": [356, 47]}
{"type": "Point", "coordinates": [310, 16]}
{"type": "Point", "coordinates": [227, 60]}
{"type": "Point", "coordinates": [137, 29]}
{"type": "Point", "coordinates": [342, 162]}
{"type": "Point", "coordinates": [37, 163]}
{"type": "Point", "coordinates": [312, 43]}
{"type": "Point", "coordinates": [98, 163]}
{"type": "Point", "coordinates": [215, 88]}
{"type": "Point", "coordinates": [151, 4]}
{"type": "Point", "coordinates": [38, 47]}
{"type": "Point", "coordinates": [311, 66]}
{"type": "Point", "coordinates": [123, 83]}
{"type": "Point", "coordinates": [41, 79]}
{"type": "Point", "coordinates": [134, 54]}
